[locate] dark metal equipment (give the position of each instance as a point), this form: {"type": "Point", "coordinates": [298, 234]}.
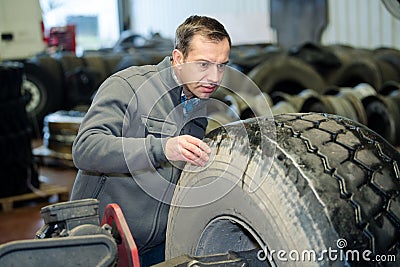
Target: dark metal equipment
{"type": "Point", "coordinates": [72, 235]}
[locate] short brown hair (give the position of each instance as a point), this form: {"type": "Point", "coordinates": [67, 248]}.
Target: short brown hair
{"type": "Point", "coordinates": [205, 26]}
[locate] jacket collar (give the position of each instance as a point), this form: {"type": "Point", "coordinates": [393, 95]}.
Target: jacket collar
{"type": "Point", "coordinates": [165, 70]}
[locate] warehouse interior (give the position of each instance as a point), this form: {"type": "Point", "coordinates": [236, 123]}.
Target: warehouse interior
{"type": "Point", "coordinates": [333, 57]}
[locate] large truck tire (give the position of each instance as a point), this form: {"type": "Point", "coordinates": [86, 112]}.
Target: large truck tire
{"type": "Point", "coordinates": [129, 61]}
{"type": "Point", "coordinates": [390, 56]}
{"type": "Point", "coordinates": [43, 89]}
{"type": "Point", "coordinates": [245, 57]}
{"type": "Point", "coordinates": [10, 80]}
{"type": "Point", "coordinates": [81, 81]}
{"type": "Point", "coordinates": [286, 74]}
{"type": "Point", "coordinates": [358, 66]}
{"type": "Point", "coordinates": [19, 173]}
{"type": "Point", "coordinates": [333, 185]}
{"type": "Point", "coordinates": [96, 62]}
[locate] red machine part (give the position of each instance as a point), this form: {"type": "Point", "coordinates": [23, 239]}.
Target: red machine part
{"type": "Point", "coordinates": [127, 250]}
{"type": "Point", "coordinates": [63, 37]}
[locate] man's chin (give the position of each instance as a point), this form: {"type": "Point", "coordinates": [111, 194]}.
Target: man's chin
{"type": "Point", "coordinates": [205, 95]}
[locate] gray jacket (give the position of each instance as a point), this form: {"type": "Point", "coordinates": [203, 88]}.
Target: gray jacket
{"type": "Point", "coordinates": [119, 148]}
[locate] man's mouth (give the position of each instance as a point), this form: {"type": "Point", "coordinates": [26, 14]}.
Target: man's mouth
{"type": "Point", "coordinates": [208, 88]}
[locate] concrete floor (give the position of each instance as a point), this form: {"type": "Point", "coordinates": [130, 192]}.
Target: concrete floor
{"type": "Point", "coordinates": [24, 220]}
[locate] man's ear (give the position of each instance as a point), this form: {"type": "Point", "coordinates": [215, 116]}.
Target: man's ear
{"type": "Point", "coordinates": [177, 57]}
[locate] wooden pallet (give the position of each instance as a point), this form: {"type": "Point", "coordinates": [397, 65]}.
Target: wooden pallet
{"type": "Point", "coordinates": [46, 156]}
{"type": "Point", "coordinates": [45, 191]}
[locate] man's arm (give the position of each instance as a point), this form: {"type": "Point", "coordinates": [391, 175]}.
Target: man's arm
{"type": "Point", "coordinates": [100, 146]}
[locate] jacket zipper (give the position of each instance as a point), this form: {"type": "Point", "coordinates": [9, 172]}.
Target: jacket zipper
{"type": "Point", "coordinates": [99, 187]}
{"type": "Point", "coordinates": [155, 222]}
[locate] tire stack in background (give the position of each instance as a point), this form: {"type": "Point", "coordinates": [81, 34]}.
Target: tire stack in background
{"type": "Point", "coordinates": [18, 173]}
{"type": "Point", "coordinates": [59, 132]}
{"type": "Point", "coordinates": [62, 81]}
{"type": "Point", "coordinates": [356, 83]}
{"type": "Point", "coordinates": [315, 76]}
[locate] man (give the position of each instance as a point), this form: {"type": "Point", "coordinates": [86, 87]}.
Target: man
{"type": "Point", "coordinates": [139, 130]}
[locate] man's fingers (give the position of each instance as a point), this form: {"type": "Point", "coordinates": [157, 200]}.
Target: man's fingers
{"type": "Point", "coordinates": [198, 162]}
{"type": "Point", "coordinates": [195, 151]}
{"type": "Point", "coordinates": [188, 148]}
{"type": "Point", "coordinates": [197, 156]}
{"type": "Point", "coordinates": [198, 143]}
{"type": "Point", "coordinates": [199, 148]}
{"type": "Point", "coordinates": [205, 147]}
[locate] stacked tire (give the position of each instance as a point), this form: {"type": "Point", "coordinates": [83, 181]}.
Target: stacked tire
{"type": "Point", "coordinates": [356, 83]}
{"type": "Point", "coordinates": [60, 130]}
{"type": "Point", "coordinates": [18, 171]}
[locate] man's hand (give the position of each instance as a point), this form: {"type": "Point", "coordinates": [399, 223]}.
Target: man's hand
{"type": "Point", "coordinates": [187, 148]}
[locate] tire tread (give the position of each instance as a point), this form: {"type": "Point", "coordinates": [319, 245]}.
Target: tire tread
{"type": "Point", "coordinates": [374, 197]}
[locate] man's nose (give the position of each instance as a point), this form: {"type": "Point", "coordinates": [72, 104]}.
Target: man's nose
{"type": "Point", "coordinates": [214, 75]}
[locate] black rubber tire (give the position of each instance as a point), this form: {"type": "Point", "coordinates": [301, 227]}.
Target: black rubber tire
{"type": "Point", "coordinates": [10, 80]}
{"type": "Point", "coordinates": [60, 130]}
{"type": "Point", "coordinates": [80, 81]}
{"type": "Point", "coordinates": [44, 93]}
{"type": "Point", "coordinates": [320, 57]}
{"type": "Point", "coordinates": [129, 61]}
{"type": "Point", "coordinates": [81, 84]}
{"type": "Point", "coordinates": [389, 88]}
{"type": "Point", "coordinates": [388, 72]}
{"type": "Point", "coordinates": [96, 62]}
{"type": "Point", "coordinates": [350, 75]}
{"type": "Point", "coordinates": [54, 69]}
{"type": "Point", "coordinates": [389, 55]}
{"type": "Point", "coordinates": [383, 116]}
{"type": "Point", "coordinates": [18, 174]}
{"type": "Point", "coordinates": [286, 74]}
{"type": "Point", "coordinates": [358, 66]}
{"type": "Point", "coordinates": [246, 56]}
{"type": "Point", "coordinates": [13, 117]}
{"type": "Point", "coordinates": [331, 180]}
{"type": "Point", "coordinates": [69, 61]}
{"type": "Point", "coordinates": [112, 61]}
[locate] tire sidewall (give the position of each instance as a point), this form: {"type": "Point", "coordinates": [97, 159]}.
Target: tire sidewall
{"type": "Point", "coordinates": [35, 88]}
{"type": "Point", "coordinates": [273, 212]}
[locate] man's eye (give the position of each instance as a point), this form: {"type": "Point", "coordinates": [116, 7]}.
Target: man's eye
{"type": "Point", "coordinates": [221, 67]}
{"type": "Point", "coordinates": [204, 64]}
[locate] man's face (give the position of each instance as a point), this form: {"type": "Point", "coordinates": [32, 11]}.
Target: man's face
{"type": "Point", "coordinates": [202, 70]}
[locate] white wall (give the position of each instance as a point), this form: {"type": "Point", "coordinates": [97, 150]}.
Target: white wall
{"type": "Point", "coordinates": [238, 16]}
{"type": "Point", "coordinates": [361, 23]}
